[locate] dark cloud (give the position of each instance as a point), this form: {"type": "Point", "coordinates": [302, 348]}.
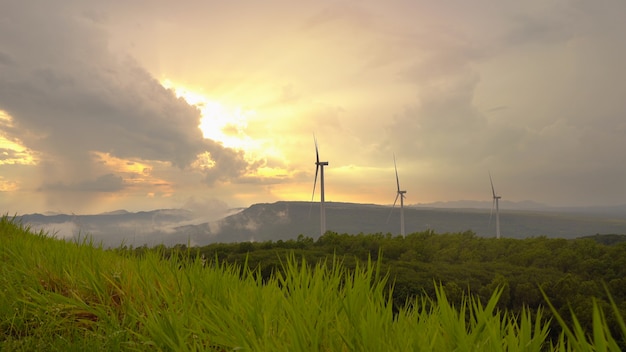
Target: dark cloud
{"type": "Point", "coordinates": [443, 122]}
{"type": "Point", "coordinates": [116, 107]}
{"type": "Point", "coordinates": [229, 165]}
{"type": "Point", "coordinates": [106, 183]}
{"type": "Point", "coordinates": [551, 26]}
{"type": "Point", "coordinates": [68, 95]}
{"type": "Point", "coordinates": [5, 59]}
{"type": "Point", "coordinates": [539, 145]}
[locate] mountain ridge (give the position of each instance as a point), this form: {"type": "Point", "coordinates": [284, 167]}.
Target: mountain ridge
{"type": "Point", "coordinates": [285, 220]}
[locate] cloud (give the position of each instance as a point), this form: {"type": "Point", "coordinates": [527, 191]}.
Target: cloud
{"type": "Point", "coordinates": [205, 208]}
{"type": "Point", "coordinates": [70, 96]}
{"type": "Point", "coordinates": [7, 185]}
{"type": "Point", "coordinates": [8, 156]}
{"type": "Point", "coordinates": [531, 90]}
{"type": "Point", "coordinates": [5, 59]}
{"type": "Point", "coordinates": [65, 230]}
{"type": "Point", "coordinates": [106, 183]}
{"type": "Point", "coordinates": [230, 164]}
{"type": "Point", "coordinates": [113, 106]}
{"type": "Point", "coordinates": [514, 98]}
{"type": "Point", "coordinates": [443, 122]}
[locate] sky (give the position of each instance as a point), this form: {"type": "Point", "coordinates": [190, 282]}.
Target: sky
{"type": "Point", "coordinates": [208, 105]}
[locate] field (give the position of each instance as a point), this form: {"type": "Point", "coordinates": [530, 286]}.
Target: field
{"type": "Point", "coordinates": [65, 296]}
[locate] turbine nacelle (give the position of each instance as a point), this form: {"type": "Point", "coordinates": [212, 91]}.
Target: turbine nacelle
{"type": "Point", "coordinates": [398, 194]}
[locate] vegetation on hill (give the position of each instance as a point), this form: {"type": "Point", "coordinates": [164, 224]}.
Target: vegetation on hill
{"type": "Point", "coordinates": [569, 272]}
{"type": "Point", "coordinates": [60, 295]}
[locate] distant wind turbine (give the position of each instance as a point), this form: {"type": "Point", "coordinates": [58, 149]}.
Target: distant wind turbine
{"type": "Point", "coordinates": [496, 199]}
{"type": "Point", "coordinates": [401, 195]}
{"type": "Point", "coordinates": [319, 166]}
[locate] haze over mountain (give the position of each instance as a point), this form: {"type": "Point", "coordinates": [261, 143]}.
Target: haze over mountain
{"type": "Point", "coordinates": [287, 220]}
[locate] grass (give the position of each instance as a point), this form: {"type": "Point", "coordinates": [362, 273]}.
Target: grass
{"type": "Point", "coordinates": [75, 296]}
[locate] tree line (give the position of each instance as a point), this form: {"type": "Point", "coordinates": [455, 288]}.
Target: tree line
{"type": "Point", "coordinates": [568, 273]}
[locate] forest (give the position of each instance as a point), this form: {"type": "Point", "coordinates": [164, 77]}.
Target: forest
{"type": "Point", "coordinates": [569, 274]}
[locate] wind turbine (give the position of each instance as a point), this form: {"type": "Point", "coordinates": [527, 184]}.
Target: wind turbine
{"type": "Point", "coordinates": [496, 199]}
{"type": "Point", "coordinates": [401, 195]}
{"type": "Point", "coordinates": [319, 166]}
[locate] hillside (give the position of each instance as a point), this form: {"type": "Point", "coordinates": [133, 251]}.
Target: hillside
{"type": "Point", "coordinates": [63, 297]}
{"type": "Point", "coordinates": [285, 220]}
{"type": "Point", "coordinates": [73, 297]}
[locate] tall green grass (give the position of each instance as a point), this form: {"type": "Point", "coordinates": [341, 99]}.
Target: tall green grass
{"type": "Point", "coordinates": [66, 296]}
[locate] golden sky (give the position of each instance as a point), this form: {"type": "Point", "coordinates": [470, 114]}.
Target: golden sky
{"type": "Point", "coordinates": [159, 104]}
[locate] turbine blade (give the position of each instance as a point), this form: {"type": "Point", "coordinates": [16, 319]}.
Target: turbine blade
{"type": "Point", "coordinates": [395, 201]}
{"type": "Point", "coordinates": [317, 154]}
{"type": "Point", "coordinates": [493, 190]}
{"type": "Point", "coordinates": [493, 204]}
{"type": "Point", "coordinates": [394, 204]}
{"type": "Point", "coordinates": [317, 167]}
{"type": "Point", "coordinates": [396, 167]}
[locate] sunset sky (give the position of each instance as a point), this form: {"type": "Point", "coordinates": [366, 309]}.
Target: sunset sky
{"type": "Point", "coordinates": [207, 105]}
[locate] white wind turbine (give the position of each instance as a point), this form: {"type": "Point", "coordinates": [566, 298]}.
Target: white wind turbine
{"type": "Point", "coordinates": [401, 195]}
{"type": "Point", "coordinates": [319, 166]}
{"type": "Point", "coordinates": [496, 199]}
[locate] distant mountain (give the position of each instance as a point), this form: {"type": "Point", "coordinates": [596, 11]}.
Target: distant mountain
{"type": "Point", "coordinates": [287, 220]}
{"type": "Point", "coordinates": [116, 212]}
{"type": "Point", "coordinates": [524, 205]}
{"type": "Point", "coordinates": [113, 228]}
{"type": "Point", "coordinates": [476, 204]}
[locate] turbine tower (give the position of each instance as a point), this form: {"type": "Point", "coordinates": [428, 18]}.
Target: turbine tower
{"type": "Point", "coordinates": [496, 199]}
{"type": "Point", "coordinates": [401, 195]}
{"type": "Point", "coordinates": [319, 166]}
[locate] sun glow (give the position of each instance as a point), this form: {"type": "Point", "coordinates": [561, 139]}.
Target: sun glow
{"type": "Point", "coordinates": [229, 126]}
{"type": "Point", "coordinates": [204, 161]}
{"type": "Point", "coordinates": [7, 185]}
{"type": "Point", "coordinates": [12, 152]}
{"type": "Point", "coordinates": [220, 123]}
